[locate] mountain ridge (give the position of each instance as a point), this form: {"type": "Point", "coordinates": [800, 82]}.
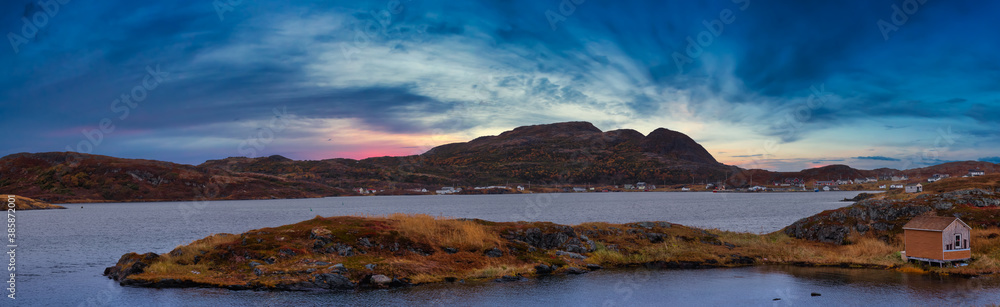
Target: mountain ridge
{"type": "Point", "coordinates": [552, 155]}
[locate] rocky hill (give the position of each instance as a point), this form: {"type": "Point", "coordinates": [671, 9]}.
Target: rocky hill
{"type": "Point", "coordinates": [561, 153]}
{"type": "Point", "coordinates": [73, 177]}
{"type": "Point", "coordinates": [975, 200]}
{"type": "Point", "coordinates": [839, 171]}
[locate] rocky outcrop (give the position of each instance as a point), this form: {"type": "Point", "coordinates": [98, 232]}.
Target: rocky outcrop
{"type": "Point", "coordinates": [972, 197]}
{"type": "Point", "coordinates": [672, 143]}
{"type": "Point", "coordinates": [834, 226]}
{"type": "Point", "coordinates": [130, 264]}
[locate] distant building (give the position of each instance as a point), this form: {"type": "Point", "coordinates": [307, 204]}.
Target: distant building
{"type": "Point", "coordinates": [937, 177]}
{"type": "Point", "coordinates": [520, 188]}
{"type": "Point", "coordinates": [685, 189]}
{"type": "Point", "coordinates": [896, 186]}
{"type": "Point", "coordinates": [640, 185]}
{"type": "Point", "coordinates": [448, 190]}
{"type": "Point", "coordinates": [975, 172]}
{"type": "Point", "coordinates": [914, 188]}
{"type": "Point", "coordinates": [843, 182]}
{"type": "Point", "coordinates": [579, 189]}
{"type": "Point", "coordinates": [829, 182]}
{"type": "Point", "coordinates": [881, 186]}
{"type": "Point", "coordinates": [899, 178]}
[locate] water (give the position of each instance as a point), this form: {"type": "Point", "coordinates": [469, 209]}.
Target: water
{"type": "Point", "coordinates": [62, 253]}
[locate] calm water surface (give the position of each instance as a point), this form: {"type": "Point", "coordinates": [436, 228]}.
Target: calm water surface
{"type": "Point", "coordinates": [62, 253]}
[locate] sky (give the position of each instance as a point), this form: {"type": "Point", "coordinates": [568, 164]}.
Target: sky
{"type": "Point", "coordinates": [779, 85]}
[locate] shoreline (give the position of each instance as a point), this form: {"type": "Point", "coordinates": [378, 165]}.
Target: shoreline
{"type": "Point", "coordinates": [92, 201]}
{"type": "Point", "coordinates": [347, 252]}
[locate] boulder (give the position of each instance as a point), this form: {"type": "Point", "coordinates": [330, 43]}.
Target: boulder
{"type": "Point", "coordinates": [543, 269]}
{"type": "Point", "coordinates": [380, 279]}
{"type": "Point", "coordinates": [571, 255]}
{"type": "Point", "coordinates": [575, 271]}
{"type": "Point", "coordinates": [493, 253]}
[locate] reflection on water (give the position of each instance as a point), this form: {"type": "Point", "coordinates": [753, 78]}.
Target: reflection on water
{"type": "Point", "coordinates": [754, 286]}
{"type": "Point", "coordinates": [63, 253]}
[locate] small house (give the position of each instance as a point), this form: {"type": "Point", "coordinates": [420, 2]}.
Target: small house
{"type": "Point", "coordinates": [976, 172]}
{"type": "Point", "coordinates": [914, 188]}
{"type": "Point", "coordinates": [896, 186]}
{"type": "Point", "coordinates": [448, 190]}
{"type": "Point", "coordinates": [579, 189]}
{"type": "Point", "coordinates": [640, 185]}
{"type": "Point", "coordinates": [937, 239]}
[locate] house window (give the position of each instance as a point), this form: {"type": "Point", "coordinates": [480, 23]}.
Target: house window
{"type": "Point", "coordinates": [958, 241]}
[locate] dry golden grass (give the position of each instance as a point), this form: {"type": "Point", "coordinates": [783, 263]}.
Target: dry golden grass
{"type": "Point", "coordinates": [181, 259]}
{"type": "Point", "coordinates": [496, 271]}
{"type": "Point", "coordinates": [463, 235]}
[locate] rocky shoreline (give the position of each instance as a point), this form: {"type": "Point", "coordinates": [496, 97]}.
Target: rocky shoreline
{"type": "Point", "coordinates": [399, 250]}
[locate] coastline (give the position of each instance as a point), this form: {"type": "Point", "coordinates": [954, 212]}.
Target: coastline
{"type": "Point", "coordinates": [347, 252]}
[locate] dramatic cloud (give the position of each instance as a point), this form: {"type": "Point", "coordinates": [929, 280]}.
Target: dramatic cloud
{"type": "Point", "coordinates": [776, 84]}
{"type": "Point", "coordinates": [877, 158]}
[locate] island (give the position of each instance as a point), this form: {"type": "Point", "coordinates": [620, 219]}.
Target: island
{"type": "Point", "coordinates": [350, 252]}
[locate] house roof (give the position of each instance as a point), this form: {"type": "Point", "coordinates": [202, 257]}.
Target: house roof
{"type": "Point", "coordinates": [933, 223]}
{"type": "Point", "coordinates": [913, 184]}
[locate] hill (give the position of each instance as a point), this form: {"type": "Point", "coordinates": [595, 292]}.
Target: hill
{"type": "Point", "coordinates": [73, 177]}
{"type": "Point", "coordinates": [548, 157]}
{"type": "Point", "coordinates": [975, 200]}
{"type": "Point", "coordinates": [561, 153]}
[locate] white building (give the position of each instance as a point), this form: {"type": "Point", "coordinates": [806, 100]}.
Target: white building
{"type": "Point", "coordinates": [448, 190]}
{"type": "Point", "coordinates": [914, 188]}
{"type": "Point", "coordinates": [976, 172]}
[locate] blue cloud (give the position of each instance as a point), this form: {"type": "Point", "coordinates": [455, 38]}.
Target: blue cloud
{"type": "Point", "coordinates": [456, 67]}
